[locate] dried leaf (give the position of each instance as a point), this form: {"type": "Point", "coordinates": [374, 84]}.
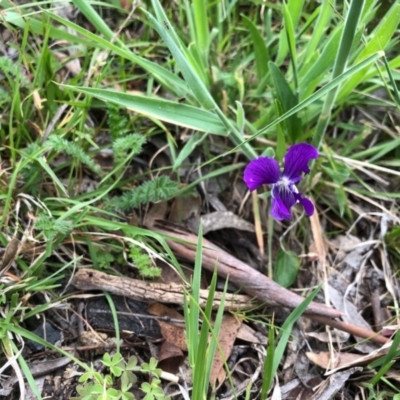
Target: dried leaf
{"type": "Point", "coordinates": [227, 336]}
{"type": "Point", "coordinates": [186, 210]}
{"type": "Point", "coordinates": [162, 310]}
{"type": "Point", "coordinates": [173, 334]}
{"type": "Point", "coordinates": [248, 334]}
{"type": "Point", "coordinates": [323, 359]}
{"type": "Point", "coordinates": [170, 357]}
{"type": "Point", "coordinates": [363, 360]}
{"type": "Point", "coordinates": [172, 331]}
{"type": "Point", "coordinates": [10, 254]}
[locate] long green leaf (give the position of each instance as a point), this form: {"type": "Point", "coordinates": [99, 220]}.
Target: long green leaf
{"type": "Point", "coordinates": [294, 8]}
{"type": "Point", "coordinates": [287, 100]}
{"type": "Point", "coordinates": [287, 327]}
{"type": "Point", "coordinates": [324, 16]}
{"type": "Point", "coordinates": [37, 27]}
{"type": "Point", "coordinates": [261, 54]}
{"type": "Point", "coordinates": [291, 41]}
{"type": "Point", "coordinates": [165, 110]}
{"type": "Point", "coordinates": [202, 28]}
{"type": "Point", "coordinates": [324, 61]}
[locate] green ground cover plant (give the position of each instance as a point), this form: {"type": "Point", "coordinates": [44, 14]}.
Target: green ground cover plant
{"type": "Point", "coordinates": [109, 108]}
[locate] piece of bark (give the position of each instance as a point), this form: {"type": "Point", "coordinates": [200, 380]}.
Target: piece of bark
{"type": "Point", "coordinates": [90, 279]}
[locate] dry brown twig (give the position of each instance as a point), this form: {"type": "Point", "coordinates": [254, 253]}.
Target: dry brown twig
{"type": "Point", "coordinates": [252, 282]}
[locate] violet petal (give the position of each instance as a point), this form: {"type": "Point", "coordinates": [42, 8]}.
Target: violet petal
{"type": "Point", "coordinates": [261, 171]}
{"type": "Point", "coordinates": [285, 195]}
{"type": "Point", "coordinates": [306, 203]}
{"type": "Point", "coordinates": [279, 211]}
{"type": "Point", "coordinates": [296, 161]}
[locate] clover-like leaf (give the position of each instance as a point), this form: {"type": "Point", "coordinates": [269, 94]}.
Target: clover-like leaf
{"type": "Point", "coordinates": [151, 367]}
{"type": "Point", "coordinates": [127, 380]}
{"type": "Point", "coordinates": [113, 394]}
{"type": "Point", "coordinates": [115, 363]}
{"type": "Point", "coordinates": [132, 364]}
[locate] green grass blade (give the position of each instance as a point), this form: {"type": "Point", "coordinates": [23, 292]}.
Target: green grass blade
{"type": "Point", "coordinates": [315, 72]}
{"type": "Point", "coordinates": [346, 43]}
{"type": "Point", "coordinates": [202, 28]}
{"type": "Point", "coordinates": [27, 373]}
{"type": "Point", "coordinates": [393, 82]}
{"type": "Point", "coordinates": [36, 26]}
{"type": "Point", "coordinates": [380, 38]}
{"type": "Point", "coordinates": [291, 41]}
{"type": "Point", "coordinates": [114, 315]}
{"type": "Point", "coordinates": [194, 141]}
{"type": "Point", "coordinates": [91, 14]}
{"type": "Point", "coordinates": [261, 54]}
{"type": "Point", "coordinates": [387, 360]}
{"type": "Point", "coordinates": [37, 339]}
{"type": "Point", "coordinates": [294, 8]}
{"type": "Point", "coordinates": [324, 16]}
{"type": "Point", "coordinates": [269, 364]}
{"type": "Point", "coordinates": [287, 327]}
{"type": "Point", "coordinates": [189, 73]}
{"type": "Point", "coordinates": [192, 312]}
{"type": "Point", "coordinates": [318, 94]}
{"type": "Point", "coordinates": [288, 101]}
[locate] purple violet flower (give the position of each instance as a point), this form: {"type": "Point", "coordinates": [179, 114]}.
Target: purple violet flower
{"type": "Point", "coordinates": [265, 171]}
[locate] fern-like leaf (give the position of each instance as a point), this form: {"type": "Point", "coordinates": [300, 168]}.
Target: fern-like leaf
{"type": "Point", "coordinates": [116, 122]}
{"type": "Point", "coordinates": [159, 189]}
{"type": "Point", "coordinates": [130, 144]}
{"type": "Point", "coordinates": [143, 262]}
{"type": "Point", "coordinates": [60, 144]}
{"type": "Point", "coordinates": [51, 226]}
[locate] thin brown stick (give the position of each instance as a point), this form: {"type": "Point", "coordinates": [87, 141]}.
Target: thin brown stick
{"type": "Point", "coordinates": [352, 329]}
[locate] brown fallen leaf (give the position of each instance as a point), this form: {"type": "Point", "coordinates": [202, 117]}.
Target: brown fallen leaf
{"type": "Point", "coordinates": [226, 338]}
{"type": "Point", "coordinates": [248, 334]}
{"type": "Point", "coordinates": [172, 332]}
{"type": "Point", "coordinates": [224, 219]}
{"type": "Point", "coordinates": [363, 360]}
{"type": "Point", "coordinates": [323, 359]}
{"type": "Point", "coordinates": [10, 255]}
{"type": "Point", "coordinates": [170, 357]}
{"type": "Point", "coordinates": [335, 336]}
